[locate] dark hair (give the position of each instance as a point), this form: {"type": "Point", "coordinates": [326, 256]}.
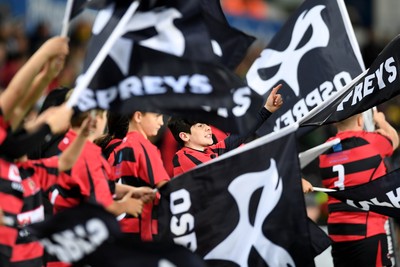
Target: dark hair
{"type": "Point", "coordinates": [117, 128]}
{"type": "Point", "coordinates": [178, 125]}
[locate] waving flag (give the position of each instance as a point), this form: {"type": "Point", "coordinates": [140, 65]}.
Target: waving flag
{"type": "Point", "coordinates": [239, 209]}
{"type": "Point", "coordinates": [165, 62]}
{"type": "Point", "coordinates": [315, 54]}
{"type": "Point", "coordinates": [75, 7]}
{"type": "Point", "coordinates": [376, 85]}
{"type": "Point", "coordinates": [229, 43]}
{"type": "Point", "coordinates": [89, 235]}
{"type": "Point", "coordinates": [380, 195]}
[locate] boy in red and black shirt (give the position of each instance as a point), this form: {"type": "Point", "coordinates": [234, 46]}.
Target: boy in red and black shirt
{"type": "Point", "coordinates": [137, 162]}
{"type": "Point", "coordinates": [196, 138]}
{"type": "Point", "coordinates": [37, 177]}
{"type": "Point", "coordinates": [359, 237]}
{"type": "Point", "coordinates": [88, 179]}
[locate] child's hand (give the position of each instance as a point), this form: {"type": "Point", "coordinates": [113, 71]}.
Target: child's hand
{"type": "Point", "coordinates": [274, 100]}
{"type": "Point", "coordinates": [307, 186]}
{"type": "Point", "coordinates": [54, 47]}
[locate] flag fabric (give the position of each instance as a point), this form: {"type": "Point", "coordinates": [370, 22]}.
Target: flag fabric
{"type": "Point", "coordinates": [165, 63]}
{"type": "Point", "coordinates": [245, 208]}
{"type": "Point", "coordinates": [79, 5]}
{"type": "Point", "coordinates": [314, 55]}
{"type": "Point", "coordinates": [87, 235]}
{"type": "Point", "coordinates": [380, 195]}
{"type": "Point", "coordinates": [378, 84]}
{"type": "Point", "coordinates": [229, 43]}
{"type": "Point", "coordinates": [168, 84]}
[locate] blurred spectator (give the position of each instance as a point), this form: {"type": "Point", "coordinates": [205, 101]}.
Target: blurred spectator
{"type": "Point", "coordinates": [257, 9]}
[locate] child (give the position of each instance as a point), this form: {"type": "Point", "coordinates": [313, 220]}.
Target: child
{"type": "Point", "coordinates": [137, 162]}
{"type": "Point", "coordinates": [196, 137]}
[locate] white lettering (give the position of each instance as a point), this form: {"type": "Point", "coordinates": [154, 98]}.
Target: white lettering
{"type": "Point", "coordinates": [368, 88]}
{"type": "Point", "coordinates": [300, 109]}
{"type": "Point", "coordinates": [178, 84]}
{"type": "Point", "coordinates": [106, 97]}
{"type": "Point", "coordinates": [180, 201]}
{"type": "Point", "coordinates": [130, 86]}
{"type": "Point", "coordinates": [241, 97]}
{"type": "Point", "coordinates": [153, 85]}
{"type": "Point", "coordinates": [200, 84]}
{"type": "Point", "coordinates": [148, 85]}
{"type": "Point", "coordinates": [313, 99]}
{"type": "Point", "coordinates": [189, 241]}
{"type": "Point", "coordinates": [394, 197]}
{"type": "Point", "coordinates": [182, 222]}
{"type": "Point", "coordinates": [72, 244]}
{"type": "Point", "coordinates": [391, 69]}
{"type": "Point", "coordinates": [379, 77]}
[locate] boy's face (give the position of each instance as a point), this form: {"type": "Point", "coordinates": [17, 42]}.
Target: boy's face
{"type": "Point", "coordinates": [151, 123]}
{"type": "Point", "coordinates": [200, 136]}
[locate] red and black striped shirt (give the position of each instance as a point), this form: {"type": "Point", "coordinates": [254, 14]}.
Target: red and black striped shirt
{"type": "Point", "coordinates": [11, 202]}
{"type": "Point", "coordinates": [356, 160]}
{"type": "Point", "coordinates": [37, 175]}
{"type": "Point", "coordinates": [187, 158]}
{"type": "Point", "coordinates": [87, 180]}
{"type": "Point", "coordinates": [137, 162]}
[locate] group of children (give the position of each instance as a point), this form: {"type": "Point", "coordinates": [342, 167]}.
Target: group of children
{"type": "Point", "coordinates": [101, 157]}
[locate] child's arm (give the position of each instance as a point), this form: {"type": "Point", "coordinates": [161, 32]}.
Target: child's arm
{"type": "Point", "coordinates": [70, 155]}
{"type": "Point", "coordinates": [385, 128]}
{"type": "Point", "coordinates": [51, 70]}
{"type": "Point", "coordinates": [21, 82]}
{"type": "Point", "coordinates": [144, 193]}
{"type": "Point", "coordinates": [127, 204]}
{"type": "Point", "coordinates": [18, 144]}
{"type": "Point", "coordinates": [273, 103]}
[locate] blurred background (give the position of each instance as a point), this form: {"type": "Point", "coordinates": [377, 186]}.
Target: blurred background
{"type": "Point", "coordinates": [25, 25]}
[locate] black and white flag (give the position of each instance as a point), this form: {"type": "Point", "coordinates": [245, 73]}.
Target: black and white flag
{"type": "Point", "coordinates": [87, 235]}
{"type": "Point", "coordinates": [78, 6]}
{"type": "Point", "coordinates": [165, 62]}
{"type": "Point", "coordinates": [246, 208]}
{"type": "Point", "coordinates": [378, 84]}
{"type": "Point", "coordinates": [314, 55]}
{"type": "Point", "coordinates": [381, 195]}
{"type": "Point", "coordinates": [229, 43]}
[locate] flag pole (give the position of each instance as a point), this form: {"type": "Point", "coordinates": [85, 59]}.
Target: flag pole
{"type": "Point", "coordinates": [368, 114]}
{"type": "Point", "coordinates": [86, 78]}
{"type": "Point", "coordinates": [321, 189]}
{"type": "Point", "coordinates": [308, 156]}
{"type": "Point", "coordinates": [67, 15]}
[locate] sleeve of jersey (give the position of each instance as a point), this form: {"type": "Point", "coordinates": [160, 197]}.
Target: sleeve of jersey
{"type": "Point", "coordinates": [384, 144]}
{"type": "Point", "coordinates": [101, 188]}
{"type": "Point", "coordinates": [233, 141]}
{"type": "Point", "coordinates": [151, 167]}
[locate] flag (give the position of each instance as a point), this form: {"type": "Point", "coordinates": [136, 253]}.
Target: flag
{"type": "Point", "coordinates": [380, 195]}
{"type": "Point", "coordinates": [165, 63]}
{"type": "Point", "coordinates": [229, 43]}
{"type": "Point", "coordinates": [87, 235]}
{"type": "Point", "coordinates": [79, 5]}
{"type": "Point", "coordinates": [75, 7]}
{"type": "Point", "coordinates": [314, 55]}
{"type": "Point", "coordinates": [378, 84]}
{"type": "Point", "coordinates": [245, 208]}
